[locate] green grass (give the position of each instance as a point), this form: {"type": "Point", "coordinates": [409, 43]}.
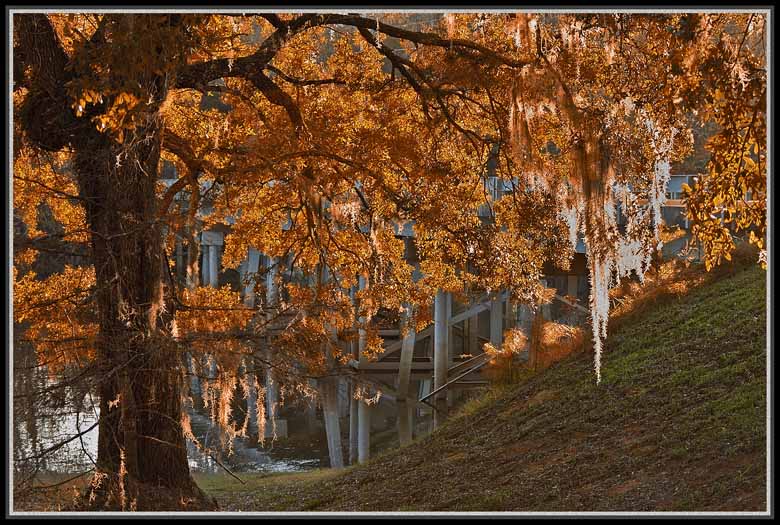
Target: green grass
{"type": "Point", "coordinates": [678, 423]}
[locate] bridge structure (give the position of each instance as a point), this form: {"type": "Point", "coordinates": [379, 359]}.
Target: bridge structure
{"type": "Point", "coordinates": [421, 371]}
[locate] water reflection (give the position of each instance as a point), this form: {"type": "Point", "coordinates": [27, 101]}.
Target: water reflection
{"type": "Point", "coordinates": [41, 422]}
{"type": "Point", "coordinates": [248, 455]}
{"type": "Point", "coordinates": [43, 418]}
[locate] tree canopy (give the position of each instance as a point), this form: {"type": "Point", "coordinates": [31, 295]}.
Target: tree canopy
{"type": "Point", "coordinates": [327, 132]}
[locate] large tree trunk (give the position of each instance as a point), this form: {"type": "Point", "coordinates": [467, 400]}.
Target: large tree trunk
{"type": "Point", "coordinates": [140, 430]}
{"type": "Point", "coordinates": [142, 456]}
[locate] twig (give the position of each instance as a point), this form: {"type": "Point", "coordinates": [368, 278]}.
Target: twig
{"type": "Point", "coordinates": [62, 482]}
{"type": "Point", "coordinates": [218, 462]}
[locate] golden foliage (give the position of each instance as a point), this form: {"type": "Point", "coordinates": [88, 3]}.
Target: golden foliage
{"type": "Point", "coordinates": [320, 144]}
{"type": "Point", "coordinates": [62, 331]}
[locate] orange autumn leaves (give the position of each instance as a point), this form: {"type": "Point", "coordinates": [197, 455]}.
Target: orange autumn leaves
{"type": "Point", "coordinates": [214, 320]}
{"type": "Point", "coordinates": [61, 329]}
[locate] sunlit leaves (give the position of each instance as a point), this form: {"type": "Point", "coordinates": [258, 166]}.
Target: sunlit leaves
{"type": "Point", "coordinates": [732, 196]}
{"type": "Point", "coordinates": [60, 325]}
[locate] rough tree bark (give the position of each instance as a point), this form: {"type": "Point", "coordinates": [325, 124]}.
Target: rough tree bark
{"type": "Point", "coordinates": [142, 457]}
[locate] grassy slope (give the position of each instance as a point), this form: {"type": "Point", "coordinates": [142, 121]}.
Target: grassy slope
{"type": "Point", "coordinates": [678, 423]}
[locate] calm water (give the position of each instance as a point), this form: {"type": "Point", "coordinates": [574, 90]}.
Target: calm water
{"type": "Point", "coordinates": [42, 421]}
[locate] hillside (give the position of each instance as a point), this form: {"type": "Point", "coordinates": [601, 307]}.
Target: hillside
{"type": "Point", "coordinates": [678, 423]}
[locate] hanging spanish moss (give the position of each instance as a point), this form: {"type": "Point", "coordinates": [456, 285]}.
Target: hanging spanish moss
{"type": "Point", "coordinates": [589, 199]}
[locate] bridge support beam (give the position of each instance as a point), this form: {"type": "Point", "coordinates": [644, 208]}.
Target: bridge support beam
{"type": "Point", "coordinates": [204, 265]}
{"type": "Point", "coordinates": [330, 411]}
{"type": "Point", "coordinates": [405, 422]}
{"type": "Point", "coordinates": [361, 331]}
{"type": "Point", "coordinates": [274, 427]}
{"type": "Point", "coordinates": [441, 316]}
{"type": "Point", "coordinates": [251, 266]}
{"type": "Point", "coordinates": [193, 373]}
{"type": "Point", "coordinates": [355, 351]}
{"type": "Point", "coordinates": [407, 353]}
{"type": "Point", "coordinates": [404, 375]}
{"type": "Point", "coordinates": [473, 331]}
{"type": "Point", "coordinates": [213, 266]}
{"type": "Point", "coordinates": [251, 400]}
{"type": "Point", "coordinates": [496, 322]}
{"type": "Point", "coordinates": [364, 431]}
{"type": "Point", "coordinates": [353, 426]}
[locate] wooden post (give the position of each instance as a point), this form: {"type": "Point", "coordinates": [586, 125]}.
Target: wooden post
{"type": "Point", "coordinates": [473, 327]}
{"type": "Point", "coordinates": [441, 317]}
{"type": "Point", "coordinates": [510, 316]}
{"type": "Point", "coordinates": [364, 431]}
